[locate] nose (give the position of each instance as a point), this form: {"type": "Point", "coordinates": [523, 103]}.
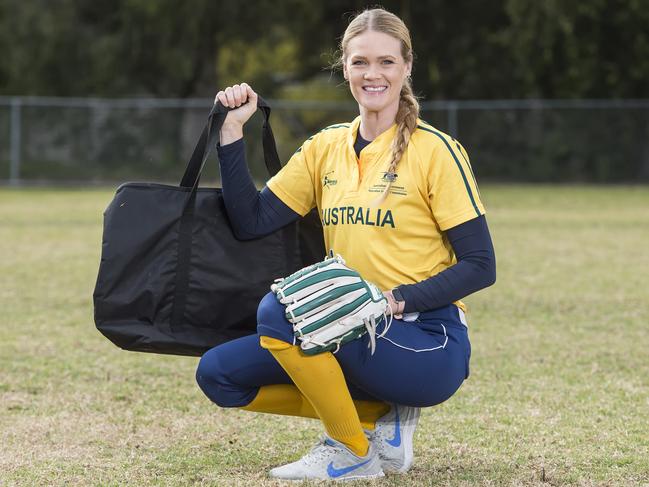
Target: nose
{"type": "Point", "coordinates": [371, 73]}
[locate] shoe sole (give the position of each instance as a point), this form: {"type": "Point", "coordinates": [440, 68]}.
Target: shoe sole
{"type": "Point", "coordinates": [360, 477]}
{"type": "Point", "coordinates": [371, 465]}
{"type": "Point", "coordinates": [356, 477]}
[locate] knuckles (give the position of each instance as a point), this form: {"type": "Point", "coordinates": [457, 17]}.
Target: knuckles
{"type": "Point", "coordinates": [234, 95]}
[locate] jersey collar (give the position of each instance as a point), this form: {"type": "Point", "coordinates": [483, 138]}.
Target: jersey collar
{"type": "Point", "coordinates": [378, 146]}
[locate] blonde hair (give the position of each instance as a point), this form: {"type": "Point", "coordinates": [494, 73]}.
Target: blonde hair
{"type": "Point", "coordinates": [380, 20]}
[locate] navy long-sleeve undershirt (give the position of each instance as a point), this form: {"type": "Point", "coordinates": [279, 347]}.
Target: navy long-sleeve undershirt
{"type": "Point", "coordinates": [256, 213]}
{"type": "Point", "coordinates": [252, 213]}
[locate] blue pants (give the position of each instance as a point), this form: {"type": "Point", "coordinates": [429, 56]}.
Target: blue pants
{"type": "Point", "coordinates": [418, 363]}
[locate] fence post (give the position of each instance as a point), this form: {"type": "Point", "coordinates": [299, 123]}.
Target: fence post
{"type": "Point", "coordinates": [452, 120]}
{"type": "Point", "coordinates": [14, 141]}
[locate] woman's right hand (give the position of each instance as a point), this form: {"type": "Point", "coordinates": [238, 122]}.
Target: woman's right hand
{"type": "Point", "coordinates": [236, 97]}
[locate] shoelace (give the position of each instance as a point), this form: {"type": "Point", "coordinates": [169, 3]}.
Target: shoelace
{"type": "Point", "coordinates": [380, 434]}
{"type": "Point", "coordinates": [320, 451]}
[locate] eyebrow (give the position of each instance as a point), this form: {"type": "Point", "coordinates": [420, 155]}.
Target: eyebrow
{"type": "Point", "coordinates": [388, 56]}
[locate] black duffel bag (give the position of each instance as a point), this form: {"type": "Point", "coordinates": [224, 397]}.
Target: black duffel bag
{"type": "Point", "coordinates": [173, 278]}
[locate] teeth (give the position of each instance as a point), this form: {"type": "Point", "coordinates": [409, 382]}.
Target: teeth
{"type": "Point", "coordinates": [374, 88]}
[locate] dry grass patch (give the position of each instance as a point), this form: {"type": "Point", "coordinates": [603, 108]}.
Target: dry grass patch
{"type": "Point", "coordinates": [558, 393]}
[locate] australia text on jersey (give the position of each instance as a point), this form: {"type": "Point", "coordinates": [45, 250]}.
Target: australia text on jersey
{"type": "Point", "coordinates": [352, 215]}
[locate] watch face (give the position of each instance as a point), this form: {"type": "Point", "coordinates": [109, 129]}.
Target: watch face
{"type": "Point", "coordinates": [397, 294]}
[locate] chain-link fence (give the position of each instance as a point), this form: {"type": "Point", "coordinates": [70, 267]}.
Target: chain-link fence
{"type": "Point", "coordinates": [110, 140]}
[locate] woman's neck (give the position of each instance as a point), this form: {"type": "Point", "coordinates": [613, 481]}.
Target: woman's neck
{"type": "Point", "coordinates": [374, 124]}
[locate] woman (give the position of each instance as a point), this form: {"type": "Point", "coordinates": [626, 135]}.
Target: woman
{"type": "Point", "coordinates": [399, 202]}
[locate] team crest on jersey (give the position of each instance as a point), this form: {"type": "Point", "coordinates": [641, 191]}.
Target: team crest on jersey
{"type": "Point", "coordinates": [387, 178]}
{"type": "Point", "coordinates": [328, 181]}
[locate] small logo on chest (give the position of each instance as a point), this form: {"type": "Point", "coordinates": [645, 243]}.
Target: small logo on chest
{"type": "Point", "coordinates": [327, 180]}
{"type": "Point", "coordinates": [387, 178]}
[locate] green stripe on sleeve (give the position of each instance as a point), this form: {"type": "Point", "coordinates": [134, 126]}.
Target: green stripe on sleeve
{"type": "Point", "coordinates": [459, 166]}
{"type": "Point", "coordinates": [326, 128]}
{"type": "Point", "coordinates": [475, 183]}
{"type": "Point", "coordinates": [338, 126]}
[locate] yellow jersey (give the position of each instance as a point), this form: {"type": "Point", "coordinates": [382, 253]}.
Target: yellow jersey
{"type": "Point", "coordinates": [402, 240]}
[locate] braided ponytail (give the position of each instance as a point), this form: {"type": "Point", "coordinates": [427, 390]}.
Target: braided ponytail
{"type": "Point", "coordinates": [381, 20]}
{"type": "Point", "coordinates": [406, 121]}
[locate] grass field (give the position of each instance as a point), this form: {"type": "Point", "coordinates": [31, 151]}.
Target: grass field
{"type": "Point", "coordinates": [558, 394]}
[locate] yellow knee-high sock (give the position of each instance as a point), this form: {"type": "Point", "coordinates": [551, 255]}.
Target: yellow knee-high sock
{"type": "Point", "coordinates": [288, 400]}
{"type": "Point", "coordinates": [370, 411]}
{"type": "Point", "coordinates": [320, 379]}
{"type": "Point", "coordinates": [281, 399]}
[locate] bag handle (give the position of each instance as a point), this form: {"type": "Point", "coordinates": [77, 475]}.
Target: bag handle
{"type": "Point", "coordinates": [205, 145]}
{"type": "Point", "coordinates": [209, 138]}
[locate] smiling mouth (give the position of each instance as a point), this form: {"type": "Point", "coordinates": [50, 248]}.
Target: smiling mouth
{"type": "Point", "coordinates": [374, 89]}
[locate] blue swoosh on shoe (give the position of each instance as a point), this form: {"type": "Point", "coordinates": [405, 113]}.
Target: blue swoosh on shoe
{"type": "Point", "coordinates": [396, 441]}
{"type": "Point", "coordinates": [337, 472]}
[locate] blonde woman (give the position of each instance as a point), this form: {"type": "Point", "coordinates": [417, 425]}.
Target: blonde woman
{"type": "Point", "coordinates": [399, 202]}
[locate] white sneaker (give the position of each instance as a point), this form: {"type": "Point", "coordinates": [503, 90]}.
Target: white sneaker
{"type": "Point", "coordinates": [392, 437]}
{"type": "Point", "coordinates": [331, 460]}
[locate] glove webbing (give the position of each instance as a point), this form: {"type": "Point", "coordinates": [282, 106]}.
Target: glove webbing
{"type": "Point", "coordinates": [370, 327]}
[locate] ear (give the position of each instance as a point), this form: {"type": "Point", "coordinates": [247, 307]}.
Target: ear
{"type": "Point", "coordinates": [345, 74]}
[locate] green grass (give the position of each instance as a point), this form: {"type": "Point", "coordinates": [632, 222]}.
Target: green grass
{"type": "Point", "coordinates": [558, 394]}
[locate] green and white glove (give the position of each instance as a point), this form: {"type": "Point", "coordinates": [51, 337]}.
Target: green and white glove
{"type": "Point", "coordinates": [330, 304]}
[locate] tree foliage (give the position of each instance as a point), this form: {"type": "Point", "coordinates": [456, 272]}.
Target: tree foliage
{"type": "Point", "coordinates": [465, 49]}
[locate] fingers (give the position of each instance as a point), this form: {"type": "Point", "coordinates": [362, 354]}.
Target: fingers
{"type": "Point", "coordinates": [236, 95]}
{"type": "Point", "coordinates": [251, 94]}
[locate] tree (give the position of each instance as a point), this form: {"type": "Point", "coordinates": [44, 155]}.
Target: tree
{"type": "Point", "coordinates": [465, 49]}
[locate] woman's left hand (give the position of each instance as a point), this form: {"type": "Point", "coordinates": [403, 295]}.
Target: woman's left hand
{"type": "Point", "coordinates": [396, 306]}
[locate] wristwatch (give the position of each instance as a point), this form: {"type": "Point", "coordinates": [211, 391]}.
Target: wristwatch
{"type": "Point", "coordinates": [401, 303]}
{"type": "Point", "coordinates": [397, 294]}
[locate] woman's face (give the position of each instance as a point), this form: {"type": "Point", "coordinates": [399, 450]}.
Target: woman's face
{"type": "Point", "coordinates": [375, 70]}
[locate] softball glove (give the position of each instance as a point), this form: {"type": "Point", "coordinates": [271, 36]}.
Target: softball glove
{"type": "Point", "coordinates": [330, 304]}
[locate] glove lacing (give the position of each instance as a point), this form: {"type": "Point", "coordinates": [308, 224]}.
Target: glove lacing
{"type": "Point", "coordinates": [370, 326]}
